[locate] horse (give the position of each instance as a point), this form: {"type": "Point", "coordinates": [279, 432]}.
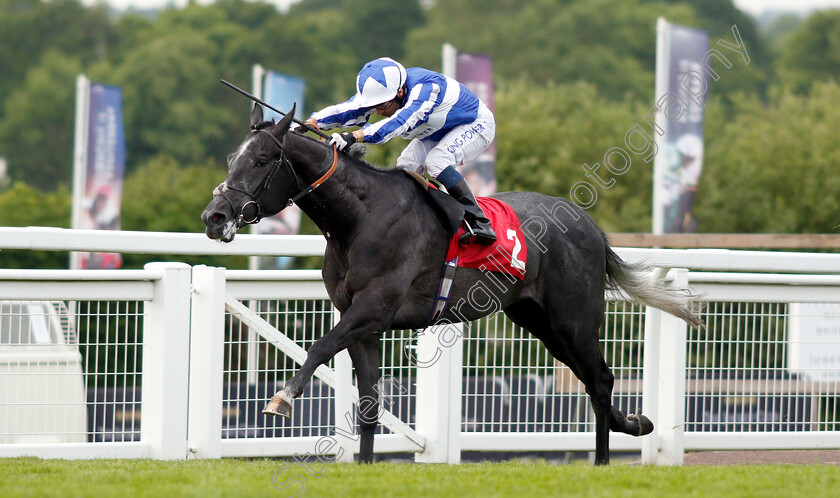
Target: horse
{"type": "Point", "coordinates": [386, 245]}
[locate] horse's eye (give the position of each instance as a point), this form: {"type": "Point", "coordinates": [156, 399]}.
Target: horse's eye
{"type": "Point", "coordinates": [262, 161]}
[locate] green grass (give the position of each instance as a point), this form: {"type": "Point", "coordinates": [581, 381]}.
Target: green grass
{"type": "Point", "coordinates": [244, 477]}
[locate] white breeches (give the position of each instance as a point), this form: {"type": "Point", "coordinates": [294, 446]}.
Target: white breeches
{"type": "Point", "coordinates": [461, 145]}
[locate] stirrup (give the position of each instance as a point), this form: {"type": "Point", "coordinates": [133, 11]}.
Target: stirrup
{"type": "Point", "coordinates": [477, 236]}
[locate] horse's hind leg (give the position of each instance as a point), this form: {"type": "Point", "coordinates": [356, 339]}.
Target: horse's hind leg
{"type": "Point", "coordinates": [578, 348]}
{"type": "Point", "coordinates": [365, 356]}
{"type": "Point", "coordinates": [576, 345]}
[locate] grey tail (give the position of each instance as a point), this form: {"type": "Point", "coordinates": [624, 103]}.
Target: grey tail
{"type": "Point", "coordinates": [648, 287]}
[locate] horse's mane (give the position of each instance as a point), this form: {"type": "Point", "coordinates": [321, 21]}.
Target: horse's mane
{"type": "Point", "coordinates": [356, 155]}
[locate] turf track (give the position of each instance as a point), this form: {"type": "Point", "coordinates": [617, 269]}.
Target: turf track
{"type": "Point", "coordinates": [258, 477]}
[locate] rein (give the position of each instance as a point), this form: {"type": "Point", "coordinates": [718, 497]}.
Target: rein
{"type": "Point", "coordinates": [241, 219]}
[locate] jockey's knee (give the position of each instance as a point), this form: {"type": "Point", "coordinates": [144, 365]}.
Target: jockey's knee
{"type": "Point", "coordinates": [438, 160]}
{"type": "Point", "coordinates": [409, 165]}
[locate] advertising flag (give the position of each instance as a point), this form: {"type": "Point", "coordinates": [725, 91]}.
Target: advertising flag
{"type": "Point", "coordinates": [100, 169]}
{"type": "Point", "coordinates": [281, 91]}
{"type": "Point", "coordinates": [680, 161]}
{"type": "Point", "coordinates": [476, 73]}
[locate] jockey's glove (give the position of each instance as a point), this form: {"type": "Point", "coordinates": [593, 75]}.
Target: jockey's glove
{"type": "Point", "coordinates": [342, 140]}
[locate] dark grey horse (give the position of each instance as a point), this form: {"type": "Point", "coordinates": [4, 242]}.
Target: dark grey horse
{"type": "Point", "coordinates": [386, 246]}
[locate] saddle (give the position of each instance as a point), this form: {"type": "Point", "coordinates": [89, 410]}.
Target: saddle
{"type": "Point", "coordinates": [450, 211]}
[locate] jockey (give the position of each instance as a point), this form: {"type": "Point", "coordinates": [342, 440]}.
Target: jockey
{"type": "Point", "coordinates": [446, 123]}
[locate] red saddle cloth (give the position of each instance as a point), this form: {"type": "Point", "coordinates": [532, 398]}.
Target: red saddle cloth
{"type": "Point", "coordinates": [508, 254]}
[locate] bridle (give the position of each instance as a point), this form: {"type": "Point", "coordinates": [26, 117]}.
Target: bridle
{"type": "Point", "coordinates": [241, 218]}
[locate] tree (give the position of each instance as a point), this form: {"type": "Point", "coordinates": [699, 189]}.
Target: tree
{"type": "Point", "coordinates": [717, 17]}
{"type": "Point", "coordinates": [379, 28]}
{"type": "Point", "coordinates": [312, 46]}
{"type": "Point", "coordinates": [36, 135]}
{"type": "Point", "coordinates": [168, 87]}
{"type": "Point", "coordinates": [812, 52]}
{"type": "Point", "coordinates": [173, 205]}
{"type": "Point", "coordinates": [32, 207]}
{"type": "Point", "coordinates": [773, 169]}
{"type": "Point", "coordinates": [30, 28]}
{"type": "Point", "coordinates": [576, 126]}
{"type": "Point", "coordinates": [607, 43]}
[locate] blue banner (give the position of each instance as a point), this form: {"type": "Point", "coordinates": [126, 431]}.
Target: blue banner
{"type": "Point", "coordinates": [683, 150]}
{"type": "Point", "coordinates": [476, 73]}
{"type": "Point", "coordinates": [104, 170]}
{"type": "Point", "coordinates": [282, 91]}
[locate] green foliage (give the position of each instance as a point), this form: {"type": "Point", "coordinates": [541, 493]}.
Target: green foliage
{"type": "Point", "coordinates": [26, 206]}
{"type": "Point", "coordinates": [172, 205]}
{"type": "Point", "coordinates": [775, 33]}
{"type": "Point", "coordinates": [379, 28]}
{"type": "Point", "coordinates": [572, 78]}
{"type": "Point", "coordinates": [545, 133]}
{"type": "Point", "coordinates": [607, 43]}
{"type": "Point", "coordinates": [812, 52]}
{"type": "Point", "coordinates": [29, 28]}
{"type": "Point", "coordinates": [717, 17]}
{"type": "Point", "coordinates": [37, 130]}
{"type": "Point", "coordinates": [773, 169]}
{"type": "Point", "coordinates": [170, 84]}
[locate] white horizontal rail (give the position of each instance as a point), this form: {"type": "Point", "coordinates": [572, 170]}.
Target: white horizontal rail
{"type": "Point", "coordinates": [732, 260]}
{"type": "Point", "coordinates": [83, 275]}
{"type": "Point", "coordinates": [273, 275]}
{"type": "Point", "coordinates": [542, 441]}
{"type": "Point", "coordinates": [78, 284]}
{"type": "Point", "coordinates": [276, 284]}
{"type": "Point", "coordinates": [761, 440]}
{"type": "Point", "coordinates": [64, 239]}
{"type": "Point", "coordinates": [764, 293]}
{"type": "Point", "coordinates": [135, 242]}
{"type": "Point", "coordinates": [763, 279]}
{"type": "Point", "coordinates": [76, 291]}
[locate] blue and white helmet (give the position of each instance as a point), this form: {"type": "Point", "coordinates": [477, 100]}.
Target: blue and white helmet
{"type": "Point", "coordinates": [379, 81]}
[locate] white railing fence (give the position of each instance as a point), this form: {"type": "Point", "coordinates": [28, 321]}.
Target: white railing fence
{"type": "Point", "coordinates": [176, 361]}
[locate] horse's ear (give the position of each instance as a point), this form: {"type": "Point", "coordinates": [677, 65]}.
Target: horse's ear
{"type": "Point", "coordinates": [256, 116]}
{"type": "Point", "coordinates": [281, 127]}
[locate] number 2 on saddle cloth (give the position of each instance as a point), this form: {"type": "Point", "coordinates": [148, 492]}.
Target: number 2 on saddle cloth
{"type": "Point", "coordinates": [508, 254]}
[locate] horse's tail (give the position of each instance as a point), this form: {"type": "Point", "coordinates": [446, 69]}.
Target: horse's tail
{"type": "Point", "coordinates": [644, 285]}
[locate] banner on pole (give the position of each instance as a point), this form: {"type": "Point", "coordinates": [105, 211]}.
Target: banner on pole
{"type": "Point", "coordinates": [476, 73]}
{"type": "Point", "coordinates": [103, 168]}
{"type": "Point", "coordinates": [281, 91]}
{"type": "Point", "coordinates": [682, 148]}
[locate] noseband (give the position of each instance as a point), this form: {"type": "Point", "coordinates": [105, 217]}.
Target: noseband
{"type": "Point", "coordinates": [241, 219]}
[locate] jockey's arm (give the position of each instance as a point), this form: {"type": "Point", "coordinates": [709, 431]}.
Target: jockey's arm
{"type": "Point", "coordinates": [345, 115]}
{"type": "Point", "coordinates": [420, 103]}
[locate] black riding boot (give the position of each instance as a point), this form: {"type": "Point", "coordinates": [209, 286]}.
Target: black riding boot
{"type": "Point", "coordinates": [477, 222]}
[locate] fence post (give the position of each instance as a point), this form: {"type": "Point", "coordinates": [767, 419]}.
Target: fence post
{"type": "Point", "coordinates": [650, 382]}
{"type": "Point", "coordinates": [347, 438]}
{"type": "Point", "coordinates": [166, 336]}
{"type": "Point", "coordinates": [671, 383]}
{"type": "Point", "coordinates": [439, 359]}
{"type": "Point", "coordinates": [207, 338]}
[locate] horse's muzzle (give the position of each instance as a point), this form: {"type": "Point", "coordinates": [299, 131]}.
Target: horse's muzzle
{"type": "Point", "coordinates": [220, 225]}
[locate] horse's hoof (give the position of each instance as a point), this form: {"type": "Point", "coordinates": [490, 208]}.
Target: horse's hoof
{"type": "Point", "coordinates": [278, 405]}
{"type": "Point", "coordinates": [645, 425]}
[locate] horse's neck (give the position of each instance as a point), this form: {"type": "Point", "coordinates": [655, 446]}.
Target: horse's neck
{"type": "Point", "coordinates": [338, 205]}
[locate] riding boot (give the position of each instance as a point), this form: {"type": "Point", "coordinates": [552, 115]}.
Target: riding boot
{"type": "Point", "coordinates": [481, 230]}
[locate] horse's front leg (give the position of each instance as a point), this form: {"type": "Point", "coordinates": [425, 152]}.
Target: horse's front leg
{"type": "Point", "coordinates": [365, 356]}
{"type": "Point", "coordinates": [368, 313]}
